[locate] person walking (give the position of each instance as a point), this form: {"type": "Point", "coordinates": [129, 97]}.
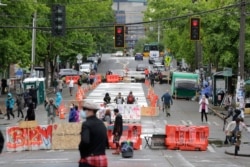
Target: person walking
{"type": "Point", "coordinates": [19, 103]}
{"type": "Point", "coordinates": [119, 99]}
{"type": "Point", "coordinates": [55, 85]}
{"type": "Point", "coordinates": [117, 131]}
{"type": "Point", "coordinates": [10, 102]}
{"type": "Point", "coordinates": [167, 102]}
{"type": "Point", "coordinates": [27, 98]}
{"type": "Point", "coordinates": [203, 107]}
{"type": "Point", "coordinates": [1, 142]}
{"type": "Point", "coordinates": [130, 98]}
{"type": "Point", "coordinates": [93, 139]}
{"type": "Point", "coordinates": [71, 86]}
{"type": "Point", "coordinates": [152, 79]}
{"type": "Point", "coordinates": [31, 113]}
{"type": "Point", "coordinates": [51, 111]}
{"type": "Point", "coordinates": [33, 94]}
{"type": "Point", "coordinates": [107, 98]}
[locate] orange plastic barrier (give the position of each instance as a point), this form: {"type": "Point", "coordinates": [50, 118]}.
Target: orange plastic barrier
{"type": "Point", "coordinates": [74, 78]}
{"type": "Point", "coordinates": [187, 138]}
{"type": "Point", "coordinates": [131, 132]}
{"type": "Point", "coordinates": [98, 78]}
{"type": "Point", "coordinates": [112, 78]}
{"type": "Point", "coordinates": [149, 111]}
{"type": "Point", "coordinates": [80, 96]}
{"type": "Point", "coordinates": [150, 93]}
{"type": "Point", "coordinates": [61, 110]}
{"type": "Point", "coordinates": [147, 83]}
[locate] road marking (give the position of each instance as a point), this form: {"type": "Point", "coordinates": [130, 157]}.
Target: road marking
{"type": "Point", "coordinates": [166, 122]}
{"type": "Point", "coordinates": [183, 122]}
{"type": "Point", "coordinates": [184, 161]}
{"type": "Point", "coordinates": [135, 159]}
{"type": "Point", "coordinates": [190, 122]}
{"type": "Point", "coordinates": [209, 123]}
{"type": "Point", "coordinates": [211, 149]}
{"type": "Point", "coordinates": [58, 159]}
{"type": "Point", "coordinates": [215, 123]}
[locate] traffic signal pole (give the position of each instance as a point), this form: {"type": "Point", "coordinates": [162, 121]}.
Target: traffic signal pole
{"type": "Point", "coordinates": [242, 39]}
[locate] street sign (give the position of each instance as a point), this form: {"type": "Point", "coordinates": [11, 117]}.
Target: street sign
{"type": "Point", "coordinates": [79, 56]}
{"type": "Point", "coordinates": [79, 61]}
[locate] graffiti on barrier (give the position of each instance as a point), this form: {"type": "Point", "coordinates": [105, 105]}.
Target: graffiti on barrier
{"type": "Point", "coordinates": [19, 139]}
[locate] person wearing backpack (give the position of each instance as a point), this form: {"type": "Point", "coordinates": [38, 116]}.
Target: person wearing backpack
{"type": "Point", "coordinates": [10, 102]}
{"type": "Point", "coordinates": [72, 113]}
{"type": "Point", "coordinates": [119, 99]}
{"type": "Point", "coordinates": [130, 98]}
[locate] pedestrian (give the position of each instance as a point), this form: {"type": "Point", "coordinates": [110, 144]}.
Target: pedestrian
{"type": "Point", "coordinates": [72, 113]}
{"type": "Point", "coordinates": [228, 100]}
{"type": "Point", "coordinates": [152, 79]}
{"type": "Point", "coordinates": [60, 85]}
{"type": "Point", "coordinates": [31, 113]}
{"type": "Point", "coordinates": [51, 111]}
{"type": "Point", "coordinates": [130, 98]}
{"type": "Point", "coordinates": [10, 102]}
{"type": "Point", "coordinates": [107, 117]}
{"type": "Point", "coordinates": [102, 111]}
{"type": "Point", "coordinates": [19, 103]}
{"type": "Point", "coordinates": [117, 131]}
{"type": "Point", "coordinates": [77, 117]}
{"type": "Point", "coordinates": [71, 86]}
{"type": "Point", "coordinates": [1, 142]}
{"type": "Point", "coordinates": [55, 85]}
{"type": "Point", "coordinates": [79, 81]}
{"type": "Point", "coordinates": [82, 115]}
{"type": "Point", "coordinates": [167, 102]}
{"type": "Point", "coordinates": [58, 99]}
{"type": "Point", "coordinates": [146, 71]}
{"type": "Point", "coordinates": [33, 94]}
{"type": "Point", "coordinates": [107, 98]}
{"type": "Point", "coordinates": [95, 67]}
{"type": "Point", "coordinates": [27, 98]}
{"type": "Point", "coordinates": [203, 107]}
{"type": "Point", "coordinates": [93, 139]}
{"type": "Point", "coordinates": [91, 78]}
{"type": "Point", "coordinates": [119, 99]}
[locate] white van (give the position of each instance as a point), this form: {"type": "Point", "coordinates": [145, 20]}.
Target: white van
{"type": "Point", "coordinates": [85, 68]}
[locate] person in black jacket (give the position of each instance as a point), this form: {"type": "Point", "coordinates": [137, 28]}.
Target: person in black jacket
{"type": "Point", "coordinates": [33, 94]}
{"type": "Point", "coordinates": [30, 113]}
{"type": "Point", "coordinates": [93, 139]}
{"type": "Point", "coordinates": [1, 142]}
{"type": "Point", "coordinates": [117, 131]}
{"type": "Point", "coordinates": [107, 98]}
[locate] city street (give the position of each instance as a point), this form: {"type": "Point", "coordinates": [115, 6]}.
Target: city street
{"type": "Point", "coordinates": [183, 112]}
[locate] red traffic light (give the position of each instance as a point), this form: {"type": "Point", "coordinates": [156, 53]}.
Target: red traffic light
{"type": "Point", "coordinates": [195, 23]}
{"type": "Point", "coordinates": [118, 30]}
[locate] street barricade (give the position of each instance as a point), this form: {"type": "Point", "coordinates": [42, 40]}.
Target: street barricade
{"type": "Point", "coordinates": [187, 138]}
{"type": "Point", "coordinates": [74, 78]}
{"type": "Point", "coordinates": [149, 111]}
{"type": "Point", "coordinates": [98, 78]}
{"type": "Point", "coordinates": [28, 136]}
{"type": "Point", "coordinates": [66, 136]}
{"type": "Point", "coordinates": [131, 132]}
{"type": "Point", "coordinates": [112, 78]}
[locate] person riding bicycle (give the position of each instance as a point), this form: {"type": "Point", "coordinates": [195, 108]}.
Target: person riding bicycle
{"type": "Point", "coordinates": [167, 101]}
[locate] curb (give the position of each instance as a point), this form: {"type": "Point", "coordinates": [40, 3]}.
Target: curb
{"type": "Point", "coordinates": [239, 155]}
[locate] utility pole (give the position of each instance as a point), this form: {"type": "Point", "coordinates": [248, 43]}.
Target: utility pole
{"type": "Point", "coordinates": [159, 32]}
{"type": "Point", "coordinates": [242, 39]}
{"type": "Point", "coordinates": [33, 47]}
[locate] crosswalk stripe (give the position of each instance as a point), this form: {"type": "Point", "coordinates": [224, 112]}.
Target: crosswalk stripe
{"type": "Point", "coordinates": [189, 122]}
{"type": "Point", "coordinates": [209, 123]}
{"type": "Point", "coordinates": [210, 149]}
{"type": "Point", "coordinates": [184, 122]}
{"type": "Point", "coordinates": [215, 123]}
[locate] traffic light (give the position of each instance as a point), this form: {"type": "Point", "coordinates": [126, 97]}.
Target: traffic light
{"type": "Point", "coordinates": [119, 36]}
{"type": "Point", "coordinates": [58, 20]}
{"type": "Point", "coordinates": [195, 29]}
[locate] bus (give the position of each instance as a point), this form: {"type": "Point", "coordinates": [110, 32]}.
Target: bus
{"type": "Point", "coordinates": [152, 47]}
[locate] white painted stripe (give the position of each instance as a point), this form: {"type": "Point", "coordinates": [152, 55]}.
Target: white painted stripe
{"type": "Point", "coordinates": [166, 122]}
{"type": "Point", "coordinates": [209, 123]}
{"type": "Point", "coordinates": [58, 159]}
{"type": "Point", "coordinates": [135, 159]}
{"type": "Point", "coordinates": [215, 123]}
{"type": "Point", "coordinates": [183, 122]}
{"type": "Point", "coordinates": [190, 122]}
{"type": "Point", "coordinates": [183, 161]}
{"type": "Point", "coordinates": [211, 149]}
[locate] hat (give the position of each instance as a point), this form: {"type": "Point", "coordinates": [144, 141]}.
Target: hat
{"type": "Point", "coordinates": [90, 106]}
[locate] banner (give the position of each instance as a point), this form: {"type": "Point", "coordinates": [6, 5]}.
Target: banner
{"type": "Point", "coordinates": [19, 139]}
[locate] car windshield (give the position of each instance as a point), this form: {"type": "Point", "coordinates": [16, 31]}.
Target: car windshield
{"type": "Point", "coordinates": [138, 54]}
{"type": "Point", "coordinates": [65, 71]}
{"type": "Point", "coordinates": [159, 68]}
{"type": "Point", "coordinates": [84, 66]}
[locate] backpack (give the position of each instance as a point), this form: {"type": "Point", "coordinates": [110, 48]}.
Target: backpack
{"type": "Point", "coordinates": [130, 99]}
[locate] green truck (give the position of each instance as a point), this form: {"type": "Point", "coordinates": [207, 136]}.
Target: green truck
{"type": "Point", "coordinates": [184, 85]}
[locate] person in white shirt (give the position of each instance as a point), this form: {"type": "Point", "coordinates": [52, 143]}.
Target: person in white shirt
{"type": "Point", "coordinates": [71, 86]}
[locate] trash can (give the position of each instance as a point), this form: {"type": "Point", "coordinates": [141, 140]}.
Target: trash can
{"type": "Point", "coordinates": [36, 83]}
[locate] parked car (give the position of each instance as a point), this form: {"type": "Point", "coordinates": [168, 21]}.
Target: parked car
{"type": "Point", "coordinates": [118, 54]}
{"type": "Point", "coordinates": [92, 59]}
{"type": "Point", "coordinates": [67, 72]}
{"type": "Point", "coordinates": [138, 56]}
{"type": "Point", "coordinates": [141, 67]}
{"type": "Point", "coordinates": [85, 68]}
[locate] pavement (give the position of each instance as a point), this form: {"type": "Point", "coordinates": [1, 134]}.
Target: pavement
{"type": "Point", "coordinates": [183, 112]}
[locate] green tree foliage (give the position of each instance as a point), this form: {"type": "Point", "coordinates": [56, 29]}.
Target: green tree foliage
{"type": "Point", "coordinates": [219, 29]}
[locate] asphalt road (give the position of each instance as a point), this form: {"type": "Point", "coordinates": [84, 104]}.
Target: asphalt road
{"type": "Point", "coordinates": [182, 113]}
